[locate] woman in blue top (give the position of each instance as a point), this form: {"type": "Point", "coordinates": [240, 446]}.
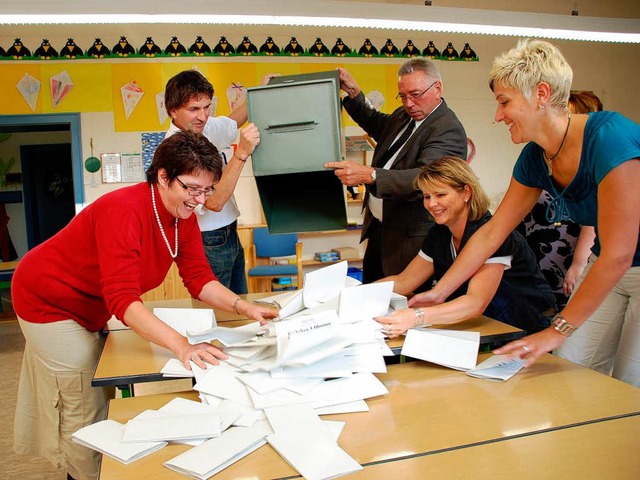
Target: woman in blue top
{"type": "Point", "coordinates": [589, 164]}
{"type": "Point", "coordinates": [509, 286]}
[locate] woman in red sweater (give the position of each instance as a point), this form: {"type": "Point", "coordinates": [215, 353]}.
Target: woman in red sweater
{"type": "Point", "coordinates": [65, 290]}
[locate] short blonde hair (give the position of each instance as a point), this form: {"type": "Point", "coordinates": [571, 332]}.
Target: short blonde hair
{"type": "Point", "coordinates": [528, 64]}
{"type": "Point", "coordinates": [456, 173]}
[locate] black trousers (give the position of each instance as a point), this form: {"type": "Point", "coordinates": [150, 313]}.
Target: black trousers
{"type": "Point", "coordinates": [372, 261]}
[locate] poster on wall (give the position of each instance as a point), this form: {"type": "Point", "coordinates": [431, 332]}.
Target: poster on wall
{"type": "Point", "coordinates": [111, 172]}
{"type": "Point", "coordinates": [131, 167]}
{"type": "Point", "coordinates": [150, 142]}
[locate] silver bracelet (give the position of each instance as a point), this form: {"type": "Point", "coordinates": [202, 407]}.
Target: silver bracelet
{"type": "Point", "coordinates": [419, 317]}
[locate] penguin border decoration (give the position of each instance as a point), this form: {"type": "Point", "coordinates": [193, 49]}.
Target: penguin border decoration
{"type": "Point", "coordinates": [199, 48]}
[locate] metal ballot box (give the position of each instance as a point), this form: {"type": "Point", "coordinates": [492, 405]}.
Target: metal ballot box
{"type": "Point", "coordinates": [299, 121]}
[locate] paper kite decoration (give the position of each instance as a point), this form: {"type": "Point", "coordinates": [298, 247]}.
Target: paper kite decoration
{"type": "Point", "coordinates": [161, 108]}
{"type": "Point", "coordinates": [61, 85]}
{"type": "Point", "coordinates": [376, 99]}
{"type": "Point", "coordinates": [29, 87]}
{"type": "Point", "coordinates": [131, 95]}
{"type": "Point", "coordinates": [236, 94]}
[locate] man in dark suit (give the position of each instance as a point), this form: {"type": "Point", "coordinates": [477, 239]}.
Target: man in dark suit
{"type": "Point", "coordinates": [422, 130]}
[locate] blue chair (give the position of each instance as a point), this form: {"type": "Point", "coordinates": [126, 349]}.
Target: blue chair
{"type": "Point", "coordinates": [264, 247]}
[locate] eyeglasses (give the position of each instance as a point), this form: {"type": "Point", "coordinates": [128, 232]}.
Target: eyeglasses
{"type": "Point", "coordinates": [196, 192]}
{"type": "Point", "coordinates": [413, 96]}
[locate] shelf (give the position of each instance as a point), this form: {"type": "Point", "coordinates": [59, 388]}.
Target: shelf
{"type": "Point", "coordinates": [330, 232]}
{"type": "Point", "coordinates": [307, 263]}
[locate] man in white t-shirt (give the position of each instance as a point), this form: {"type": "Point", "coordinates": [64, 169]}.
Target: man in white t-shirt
{"type": "Point", "coordinates": [188, 98]}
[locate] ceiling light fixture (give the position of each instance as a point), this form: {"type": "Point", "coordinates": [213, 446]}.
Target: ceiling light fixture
{"type": "Point", "coordinates": [352, 15]}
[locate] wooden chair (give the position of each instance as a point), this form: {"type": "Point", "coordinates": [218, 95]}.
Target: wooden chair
{"type": "Point", "coordinates": [265, 246]}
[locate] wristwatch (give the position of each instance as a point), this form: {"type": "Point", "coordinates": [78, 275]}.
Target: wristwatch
{"type": "Point", "coordinates": [373, 176]}
{"type": "Point", "coordinates": [562, 326]}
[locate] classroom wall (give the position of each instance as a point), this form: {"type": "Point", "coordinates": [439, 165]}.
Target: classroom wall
{"type": "Point", "coordinates": [610, 70]}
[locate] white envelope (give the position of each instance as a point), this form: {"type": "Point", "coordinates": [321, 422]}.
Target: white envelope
{"type": "Point", "coordinates": [349, 407]}
{"type": "Point", "coordinates": [288, 303]}
{"type": "Point", "coordinates": [450, 348]}
{"type": "Point", "coordinates": [315, 458]}
{"type": "Point", "coordinates": [180, 405]}
{"type": "Point", "coordinates": [297, 418]}
{"type": "Point", "coordinates": [276, 398]}
{"type": "Point", "coordinates": [183, 319]}
{"type": "Point", "coordinates": [227, 336]}
{"type": "Point", "coordinates": [168, 427]}
{"type": "Point", "coordinates": [498, 368]}
{"type": "Point", "coordinates": [263, 383]}
{"type": "Point", "coordinates": [323, 284]}
{"type": "Point", "coordinates": [365, 301]}
{"type": "Point", "coordinates": [216, 454]}
{"type": "Point", "coordinates": [343, 390]}
{"type": "Point", "coordinates": [106, 437]}
{"type": "Point", "coordinates": [225, 385]}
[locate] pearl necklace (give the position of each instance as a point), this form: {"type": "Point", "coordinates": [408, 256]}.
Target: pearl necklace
{"type": "Point", "coordinates": [548, 160]}
{"type": "Point", "coordinates": [164, 235]}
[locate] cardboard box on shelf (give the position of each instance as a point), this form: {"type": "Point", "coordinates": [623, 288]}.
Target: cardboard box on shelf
{"type": "Point", "coordinates": [347, 253]}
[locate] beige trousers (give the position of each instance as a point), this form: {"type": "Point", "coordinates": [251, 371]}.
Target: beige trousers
{"type": "Point", "coordinates": [609, 341]}
{"type": "Point", "coordinates": [55, 396]}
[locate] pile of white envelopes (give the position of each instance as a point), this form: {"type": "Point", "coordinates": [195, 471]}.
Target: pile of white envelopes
{"type": "Point", "coordinates": [319, 358]}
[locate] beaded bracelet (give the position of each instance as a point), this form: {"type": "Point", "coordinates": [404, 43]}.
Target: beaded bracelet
{"type": "Point", "coordinates": [235, 305]}
{"type": "Point", "coordinates": [243, 160]}
{"type": "Point", "coordinates": [419, 317]}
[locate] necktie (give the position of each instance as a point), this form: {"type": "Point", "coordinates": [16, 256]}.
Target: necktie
{"type": "Point", "coordinates": [384, 158]}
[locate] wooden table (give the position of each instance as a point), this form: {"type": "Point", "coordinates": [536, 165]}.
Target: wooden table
{"type": "Point", "coordinates": [127, 358]}
{"type": "Point", "coordinates": [430, 411]}
{"type": "Point", "coordinates": [600, 450]}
